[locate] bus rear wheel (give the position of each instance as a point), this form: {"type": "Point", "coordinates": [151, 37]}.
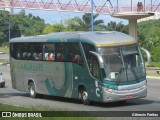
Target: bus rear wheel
{"type": "Point", "coordinates": [84, 96]}
{"type": "Point", "coordinates": [32, 90]}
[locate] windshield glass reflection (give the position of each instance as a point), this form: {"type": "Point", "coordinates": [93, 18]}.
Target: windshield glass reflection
{"type": "Point", "coordinates": [122, 63]}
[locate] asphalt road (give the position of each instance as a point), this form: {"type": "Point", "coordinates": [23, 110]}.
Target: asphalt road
{"type": "Point", "coordinates": [15, 97]}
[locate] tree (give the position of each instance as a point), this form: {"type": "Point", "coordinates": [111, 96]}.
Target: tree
{"type": "Point", "coordinates": [113, 26]}
{"type": "Point", "coordinates": [19, 25]}
{"type": "Point", "coordinates": [155, 54]}
{"type": "Point", "coordinates": [29, 25]}
{"type": "Point", "coordinates": [149, 34]}
{"type": "Point", "coordinates": [74, 24]}
{"type": "Point", "coordinates": [84, 23]}
{"type": "Point", "coordinates": [22, 13]}
{"type": "Point", "coordinates": [149, 37]}
{"type": "Point", "coordinates": [5, 20]}
{"type": "Point", "coordinates": [58, 27]}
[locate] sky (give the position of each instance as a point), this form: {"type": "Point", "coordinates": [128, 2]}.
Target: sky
{"type": "Point", "coordinates": [53, 17]}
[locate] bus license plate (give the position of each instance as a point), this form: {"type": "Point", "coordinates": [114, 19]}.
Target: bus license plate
{"type": "Point", "coordinates": [128, 96]}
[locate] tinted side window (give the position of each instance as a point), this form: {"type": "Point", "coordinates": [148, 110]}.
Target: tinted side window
{"type": "Point", "coordinates": [25, 51]}
{"type": "Point", "coordinates": [36, 52]}
{"type": "Point", "coordinates": [74, 53]}
{"type": "Point", "coordinates": [94, 67]}
{"type": "Point", "coordinates": [60, 52]}
{"type": "Point", "coordinates": [15, 49]}
{"type": "Point", "coordinates": [49, 52]}
{"type": "Point", "coordinates": [88, 47]}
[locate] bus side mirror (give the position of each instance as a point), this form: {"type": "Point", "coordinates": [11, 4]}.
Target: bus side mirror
{"type": "Point", "coordinates": [100, 59]}
{"type": "Point", "coordinates": [148, 54]}
{"type": "Point", "coordinates": [96, 65]}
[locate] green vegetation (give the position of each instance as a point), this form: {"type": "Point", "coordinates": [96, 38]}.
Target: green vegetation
{"type": "Point", "coordinates": [153, 74]}
{"type": "Point", "coordinates": [113, 26]}
{"type": "Point", "coordinates": [153, 64]}
{"type": "Point", "coordinates": [4, 62]}
{"type": "Point", "coordinates": [149, 38]}
{"type": "Point", "coordinates": [4, 47]}
{"type": "Point", "coordinates": [28, 25]}
{"type": "Point", "coordinates": [20, 25]}
{"type": "Point", "coordinates": [5, 107]}
{"type": "Point", "coordinates": [84, 24]}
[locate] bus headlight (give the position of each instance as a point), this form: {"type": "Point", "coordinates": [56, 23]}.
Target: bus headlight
{"type": "Point", "coordinates": [144, 86]}
{"type": "Point", "coordinates": [109, 90]}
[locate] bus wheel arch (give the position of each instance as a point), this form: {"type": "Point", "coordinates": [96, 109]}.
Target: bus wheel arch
{"type": "Point", "coordinates": [83, 94]}
{"type": "Point", "coordinates": [32, 89]}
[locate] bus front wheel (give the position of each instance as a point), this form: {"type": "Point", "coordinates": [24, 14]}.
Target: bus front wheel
{"type": "Point", "coordinates": [84, 96]}
{"type": "Point", "coordinates": [32, 90]}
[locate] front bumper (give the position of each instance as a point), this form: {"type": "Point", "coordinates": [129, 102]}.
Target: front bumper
{"type": "Point", "coordinates": [120, 95]}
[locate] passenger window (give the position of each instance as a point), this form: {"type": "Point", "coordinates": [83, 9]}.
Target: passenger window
{"type": "Point", "coordinates": [60, 52]}
{"type": "Point", "coordinates": [24, 51]}
{"type": "Point", "coordinates": [49, 52]}
{"type": "Point", "coordinates": [74, 53]}
{"type": "Point", "coordinates": [37, 52]}
{"type": "Point", "coordinates": [14, 50]}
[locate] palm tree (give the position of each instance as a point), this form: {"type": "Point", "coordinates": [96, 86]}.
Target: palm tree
{"type": "Point", "coordinates": [113, 26]}
{"type": "Point", "coordinates": [84, 24]}
{"type": "Point", "coordinates": [87, 21]}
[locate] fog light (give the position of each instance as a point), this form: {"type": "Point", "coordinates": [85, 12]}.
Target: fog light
{"type": "Point", "coordinates": [109, 90]}
{"type": "Point", "coordinates": [143, 87]}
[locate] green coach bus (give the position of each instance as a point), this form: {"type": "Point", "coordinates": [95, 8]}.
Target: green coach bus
{"type": "Point", "coordinates": [91, 66]}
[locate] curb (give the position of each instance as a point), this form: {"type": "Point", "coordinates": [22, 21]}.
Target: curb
{"type": "Point", "coordinates": [153, 77]}
{"type": "Point", "coordinates": [4, 64]}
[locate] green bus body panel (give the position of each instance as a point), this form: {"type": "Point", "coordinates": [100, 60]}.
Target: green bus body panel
{"type": "Point", "coordinates": [84, 78]}
{"type": "Point", "coordinates": [114, 85]}
{"type": "Point", "coordinates": [53, 78]}
{"type": "Point", "coordinates": [56, 40]}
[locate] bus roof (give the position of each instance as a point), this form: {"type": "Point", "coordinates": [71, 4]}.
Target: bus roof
{"type": "Point", "coordinates": [99, 38]}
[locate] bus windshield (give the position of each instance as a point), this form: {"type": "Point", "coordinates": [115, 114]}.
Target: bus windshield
{"type": "Point", "coordinates": [123, 63]}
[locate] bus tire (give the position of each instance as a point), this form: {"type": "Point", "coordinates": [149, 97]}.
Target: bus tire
{"type": "Point", "coordinates": [2, 85]}
{"type": "Point", "coordinates": [84, 96]}
{"type": "Point", "coordinates": [32, 90]}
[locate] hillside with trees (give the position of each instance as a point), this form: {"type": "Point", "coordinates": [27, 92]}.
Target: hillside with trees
{"type": "Point", "coordinates": [20, 25]}
{"type": "Point", "coordinates": [149, 37]}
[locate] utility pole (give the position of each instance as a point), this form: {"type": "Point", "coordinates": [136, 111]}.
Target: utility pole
{"type": "Point", "coordinates": [151, 5]}
{"type": "Point", "coordinates": [92, 21]}
{"type": "Point", "coordinates": [117, 6]}
{"type": "Point", "coordinates": [144, 6]}
{"type": "Point", "coordinates": [131, 5]}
